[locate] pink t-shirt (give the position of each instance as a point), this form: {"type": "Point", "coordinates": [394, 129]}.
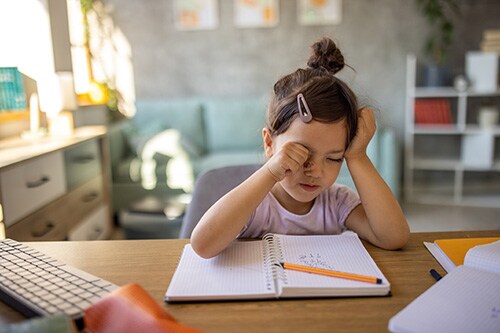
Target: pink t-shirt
{"type": "Point", "coordinates": [326, 217]}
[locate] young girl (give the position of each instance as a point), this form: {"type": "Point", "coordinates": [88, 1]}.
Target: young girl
{"type": "Point", "coordinates": [313, 124]}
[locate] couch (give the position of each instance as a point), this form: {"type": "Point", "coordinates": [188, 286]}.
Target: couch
{"type": "Point", "coordinates": [189, 136]}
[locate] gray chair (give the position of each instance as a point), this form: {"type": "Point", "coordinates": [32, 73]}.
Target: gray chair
{"type": "Point", "coordinates": [209, 187]}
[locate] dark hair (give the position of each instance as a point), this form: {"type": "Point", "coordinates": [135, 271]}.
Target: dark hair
{"type": "Point", "coordinates": [328, 97]}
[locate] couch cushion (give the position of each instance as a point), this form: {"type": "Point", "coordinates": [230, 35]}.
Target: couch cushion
{"type": "Point", "coordinates": [136, 137]}
{"type": "Point", "coordinates": [222, 159]}
{"type": "Point", "coordinates": [184, 114]}
{"type": "Point", "coordinates": [129, 170]}
{"type": "Point", "coordinates": [234, 124]}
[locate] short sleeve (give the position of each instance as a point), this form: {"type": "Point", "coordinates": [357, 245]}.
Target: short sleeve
{"type": "Point", "coordinates": [344, 201]}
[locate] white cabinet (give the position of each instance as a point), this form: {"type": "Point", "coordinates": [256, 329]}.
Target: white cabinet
{"type": "Point", "coordinates": [56, 188]}
{"type": "Point", "coordinates": [449, 159]}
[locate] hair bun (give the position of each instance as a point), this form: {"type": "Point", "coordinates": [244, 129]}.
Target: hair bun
{"type": "Point", "coordinates": [327, 55]}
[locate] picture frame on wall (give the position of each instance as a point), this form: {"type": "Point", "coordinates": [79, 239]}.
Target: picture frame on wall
{"type": "Point", "coordinates": [319, 12]}
{"type": "Point", "coordinates": [256, 13]}
{"type": "Point", "coordinates": [196, 14]}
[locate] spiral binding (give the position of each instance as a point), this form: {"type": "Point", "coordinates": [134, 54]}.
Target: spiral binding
{"type": "Point", "coordinates": [273, 256]}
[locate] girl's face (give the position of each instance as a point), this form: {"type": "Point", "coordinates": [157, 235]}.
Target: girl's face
{"type": "Point", "coordinates": [326, 144]}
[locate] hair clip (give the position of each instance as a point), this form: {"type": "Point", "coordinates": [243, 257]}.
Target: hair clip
{"type": "Point", "coordinates": [304, 113]}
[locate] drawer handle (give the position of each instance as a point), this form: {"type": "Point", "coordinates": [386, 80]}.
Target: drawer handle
{"type": "Point", "coordinates": [40, 233]}
{"type": "Point", "coordinates": [39, 182]}
{"type": "Point", "coordinates": [90, 197]}
{"type": "Point", "coordinates": [84, 159]}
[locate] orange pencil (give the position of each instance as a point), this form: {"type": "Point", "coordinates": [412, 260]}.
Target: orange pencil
{"type": "Point", "coordinates": [327, 272]}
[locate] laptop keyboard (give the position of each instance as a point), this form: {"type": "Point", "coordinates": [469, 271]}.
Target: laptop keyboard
{"type": "Point", "coordinates": [36, 284]}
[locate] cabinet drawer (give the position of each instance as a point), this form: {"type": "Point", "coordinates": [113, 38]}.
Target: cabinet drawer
{"type": "Point", "coordinates": [84, 200]}
{"type": "Point", "coordinates": [82, 162]}
{"type": "Point", "coordinates": [30, 185]}
{"type": "Point", "coordinates": [95, 226]}
{"type": "Point", "coordinates": [47, 224]}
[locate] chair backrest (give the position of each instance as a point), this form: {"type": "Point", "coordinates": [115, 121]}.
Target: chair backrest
{"type": "Point", "coordinates": [209, 187]}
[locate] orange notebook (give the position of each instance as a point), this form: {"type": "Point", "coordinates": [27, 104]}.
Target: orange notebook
{"type": "Point", "coordinates": [450, 253]}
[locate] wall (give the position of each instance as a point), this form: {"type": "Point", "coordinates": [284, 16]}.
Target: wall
{"type": "Point", "coordinates": [374, 36]}
{"type": "Point", "coordinates": [29, 48]}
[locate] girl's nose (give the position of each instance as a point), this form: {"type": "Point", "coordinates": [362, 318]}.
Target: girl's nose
{"type": "Point", "coordinates": [311, 168]}
{"type": "Point", "coordinates": [308, 164]}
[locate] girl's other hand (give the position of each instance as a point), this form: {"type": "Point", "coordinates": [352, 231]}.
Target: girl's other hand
{"type": "Point", "coordinates": [287, 161]}
{"type": "Point", "coordinates": [366, 130]}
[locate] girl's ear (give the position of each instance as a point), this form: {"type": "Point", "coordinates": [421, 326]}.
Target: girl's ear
{"type": "Point", "coordinates": [267, 139]}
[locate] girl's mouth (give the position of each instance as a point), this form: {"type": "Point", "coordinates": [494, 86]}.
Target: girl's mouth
{"type": "Point", "coordinates": [308, 187]}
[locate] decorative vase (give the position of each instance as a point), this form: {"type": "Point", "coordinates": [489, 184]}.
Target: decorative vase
{"type": "Point", "coordinates": [435, 75]}
{"type": "Point", "coordinates": [488, 116]}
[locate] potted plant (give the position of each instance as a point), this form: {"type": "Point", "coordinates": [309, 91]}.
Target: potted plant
{"type": "Point", "coordinates": [437, 45]}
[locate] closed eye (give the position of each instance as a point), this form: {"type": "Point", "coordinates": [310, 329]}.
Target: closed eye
{"type": "Point", "coordinates": [335, 160]}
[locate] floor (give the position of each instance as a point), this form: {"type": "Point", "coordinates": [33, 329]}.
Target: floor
{"type": "Point", "coordinates": [422, 218]}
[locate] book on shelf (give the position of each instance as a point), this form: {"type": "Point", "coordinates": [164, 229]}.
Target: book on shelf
{"type": "Point", "coordinates": [490, 47]}
{"type": "Point", "coordinates": [12, 93]}
{"type": "Point", "coordinates": [432, 111]}
{"type": "Point", "coordinates": [253, 270]}
{"type": "Point", "coordinates": [467, 299]}
{"type": "Point", "coordinates": [491, 35]}
{"type": "Point", "coordinates": [491, 41]}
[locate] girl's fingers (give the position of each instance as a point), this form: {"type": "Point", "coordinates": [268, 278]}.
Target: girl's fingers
{"type": "Point", "coordinates": [288, 160]}
{"type": "Point", "coordinates": [297, 152]}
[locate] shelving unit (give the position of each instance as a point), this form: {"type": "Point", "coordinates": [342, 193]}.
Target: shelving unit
{"type": "Point", "coordinates": [456, 163]}
{"type": "Point", "coordinates": [11, 116]}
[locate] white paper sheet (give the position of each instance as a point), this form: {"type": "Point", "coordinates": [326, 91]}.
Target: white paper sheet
{"type": "Point", "coordinates": [464, 300]}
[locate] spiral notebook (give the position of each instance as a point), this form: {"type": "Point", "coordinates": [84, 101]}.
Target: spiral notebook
{"type": "Point", "coordinates": [248, 270]}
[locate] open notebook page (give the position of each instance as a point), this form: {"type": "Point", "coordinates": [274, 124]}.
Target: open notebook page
{"type": "Point", "coordinates": [237, 273]}
{"type": "Point", "coordinates": [464, 300]}
{"type": "Point", "coordinates": [486, 257]}
{"type": "Point", "coordinates": [343, 252]}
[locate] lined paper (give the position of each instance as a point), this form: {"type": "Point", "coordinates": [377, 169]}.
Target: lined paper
{"type": "Point", "coordinates": [239, 270]}
{"type": "Point", "coordinates": [486, 257]}
{"type": "Point", "coordinates": [465, 300]}
{"type": "Point", "coordinates": [343, 253]}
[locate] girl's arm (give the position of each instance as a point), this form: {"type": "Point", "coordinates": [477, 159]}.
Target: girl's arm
{"type": "Point", "coordinates": [222, 222]}
{"type": "Point", "coordinates": [220, 225]}
{"type": "Point", "coordinates": [379, 219]}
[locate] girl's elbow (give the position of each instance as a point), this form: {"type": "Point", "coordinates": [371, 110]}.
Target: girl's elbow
{"type": "Point", "coordinates": [200, 245]}
{"type": "Point", "coordinates": [399, 240]}
{"type": "Point", "coordinates": [201, 248]}
{"type": "Point", "coordinates": [205, 246]}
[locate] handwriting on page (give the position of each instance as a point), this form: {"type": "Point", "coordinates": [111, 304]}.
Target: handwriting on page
{"type": "Point", "coordinates": [495, 312]}
{"type": "Point", "coordinates": [314, 260]}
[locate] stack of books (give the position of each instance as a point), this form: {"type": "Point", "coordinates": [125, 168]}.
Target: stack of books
{"type": "Point", "coordinates": [12, 93]}
{"type": "Point", "coordinates": [491, 41]}
{"type": "Point", "coordinates": [433, 111]}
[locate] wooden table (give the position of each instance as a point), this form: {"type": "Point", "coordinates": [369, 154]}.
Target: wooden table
{"type": "Point", "coordinates": [151, 263]}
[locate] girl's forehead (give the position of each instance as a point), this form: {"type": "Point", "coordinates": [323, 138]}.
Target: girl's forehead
{"type": "Point", "coordinates": [315, 135]}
